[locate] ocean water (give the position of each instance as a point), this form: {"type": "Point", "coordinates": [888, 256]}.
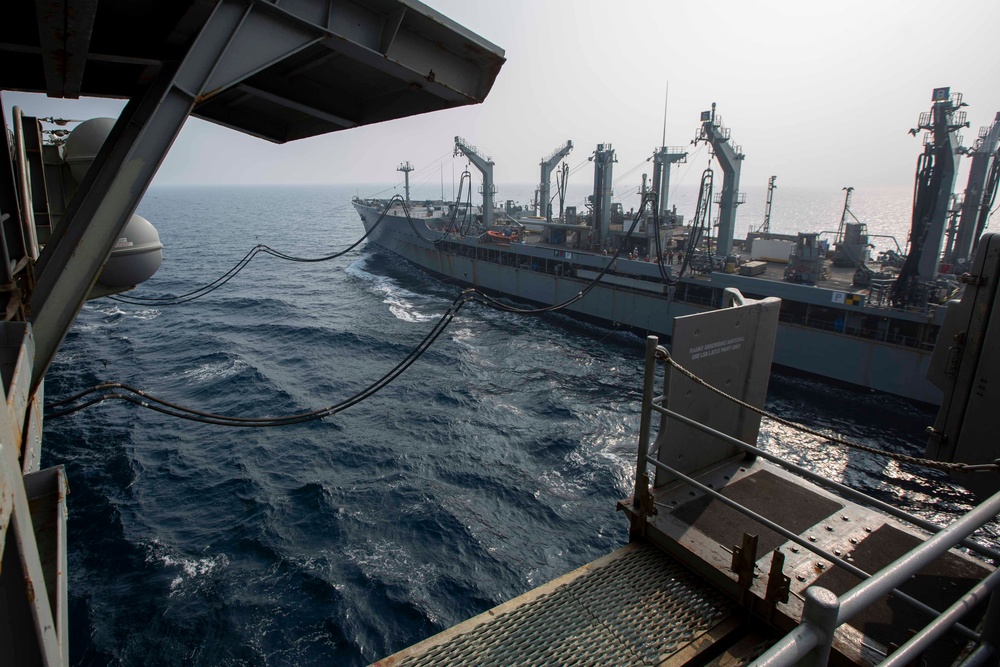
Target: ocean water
{"type": "Point", "coordinates": [491, 466]}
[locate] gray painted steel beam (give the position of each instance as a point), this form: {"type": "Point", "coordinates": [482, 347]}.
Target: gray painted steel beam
{"type": "Point", "coordinates": [64, 30]}
{"type": "Point", "coordinates": [265, 36]}
{"type": "Point", "coordinates": [289, 103]}
{"type": "Point", "coordinates": [389, 30]}
{"type": "Point", "coordinates": [362, 35]}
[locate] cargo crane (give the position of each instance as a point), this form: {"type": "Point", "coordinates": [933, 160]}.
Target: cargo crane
{"type": "Point", "coordinates": [730, 158]}
{"type": "Point", "coordinates": [980, 192]}
{"type": "Point", "coordinates": [843, 215]}
{"type": "Point", "coordinates": [932, 195]}
{"type": "Point", "coordinates": [544, 203]}
{"type": "Point", "coordinates": [765, 228]}
{"type": "Point", "coordinates": [561, 186]}
{"type": "Point", "coordinates": [485, 166]}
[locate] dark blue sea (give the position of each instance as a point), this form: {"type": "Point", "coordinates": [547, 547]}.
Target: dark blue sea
{"type": "Point", "coordinates": [490, 467]}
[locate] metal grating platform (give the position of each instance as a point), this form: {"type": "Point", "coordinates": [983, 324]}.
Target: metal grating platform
{"type": "Point", "coordinates": [634, 607]}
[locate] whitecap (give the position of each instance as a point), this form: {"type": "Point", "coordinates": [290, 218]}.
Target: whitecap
{"type": "Point", "coordinates": [214, 371]}
{"type": "Point", "coordinates": [147, 314]}
{"type": "Point", "coordinates": [406, 311]}
{"type": "Point", "coordinates": [189, 568]}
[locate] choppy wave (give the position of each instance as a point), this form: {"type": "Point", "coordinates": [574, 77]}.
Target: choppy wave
{"type": "Point", "coordinates": [190, 571]}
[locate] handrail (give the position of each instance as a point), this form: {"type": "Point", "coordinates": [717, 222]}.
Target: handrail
{"type": "Point", "coordinates": [843, 489]}
{"type": "Point", "coordinates": [823, 612]}
{"type": "Point", "coordinates": [795, 647]}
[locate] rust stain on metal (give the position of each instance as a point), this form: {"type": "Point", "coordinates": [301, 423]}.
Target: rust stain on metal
{"type": "Point", "coordinates": [29, 590]}
{"type": "Point", "coordinates": [204, 97]}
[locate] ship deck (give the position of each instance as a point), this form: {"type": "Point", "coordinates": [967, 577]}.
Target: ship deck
{"type": "Point", "coordinates": [835, 278]}
{"type": "Point", "coordinates": [673, 598]}
{"type": "Point", "coordinates": [635, 606]}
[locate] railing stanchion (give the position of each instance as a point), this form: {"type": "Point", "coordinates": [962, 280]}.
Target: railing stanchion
{"type": "Point", "coordinates": [820, 610]}
{"type": "Point", "coordinates": [641, 500]}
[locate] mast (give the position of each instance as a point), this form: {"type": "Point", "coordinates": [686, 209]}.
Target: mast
{"type": "Point", "coordinates": [547, 165]}
{"type": "Point", "coordinates": [730, 158]}
{"type": "Point", "coordinates": [485, 166]}
{"type": "Point", "coordinates": [406, 168]}
{"type": "Point", "coordinates": [663, 158]}
{"type": "Point", "coordinates": [935, 180]}
{"type": "Point", "coordinates": [985, 156]}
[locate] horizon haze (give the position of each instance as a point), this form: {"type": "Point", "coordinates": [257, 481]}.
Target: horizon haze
{"type": "Point", "coordinates": [819, 94]}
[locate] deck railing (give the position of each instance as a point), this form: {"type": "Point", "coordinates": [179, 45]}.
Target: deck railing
{"type": "Point", "coordinates": [810, 643]}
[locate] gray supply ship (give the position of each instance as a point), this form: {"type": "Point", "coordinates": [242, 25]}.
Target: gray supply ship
{"type": "Point", "coordinates": [841, 317]}
{"type": "Point", "coordinates": [691, 587]}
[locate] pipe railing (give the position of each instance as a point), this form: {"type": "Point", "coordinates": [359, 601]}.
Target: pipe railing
{"type": "Point", "coordinates": [810, 643]}
{"type": "Point", "coordinates": [656, 406]}
{"type": "Point", "coordinates": [816, 638]}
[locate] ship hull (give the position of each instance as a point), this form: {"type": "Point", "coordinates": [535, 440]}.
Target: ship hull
{"type": "Point", "coordinates": [650, 307]}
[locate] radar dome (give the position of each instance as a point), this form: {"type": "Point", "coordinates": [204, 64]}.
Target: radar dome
{"type": "Point", "coordinates": [83, 144]}
{"type": "Point", "coordinates": [136, 255]}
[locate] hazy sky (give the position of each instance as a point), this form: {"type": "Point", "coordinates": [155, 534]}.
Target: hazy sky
{"type": "Point", "coordinates": [818, 93]}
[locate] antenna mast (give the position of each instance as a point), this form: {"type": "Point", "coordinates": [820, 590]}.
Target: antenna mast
{"type": "Point", "coordinates": [663, 158]}
{"type": "Point", "coordinates": [406, 168]}
{"type": "Point", "coordinates": [666, 96]}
